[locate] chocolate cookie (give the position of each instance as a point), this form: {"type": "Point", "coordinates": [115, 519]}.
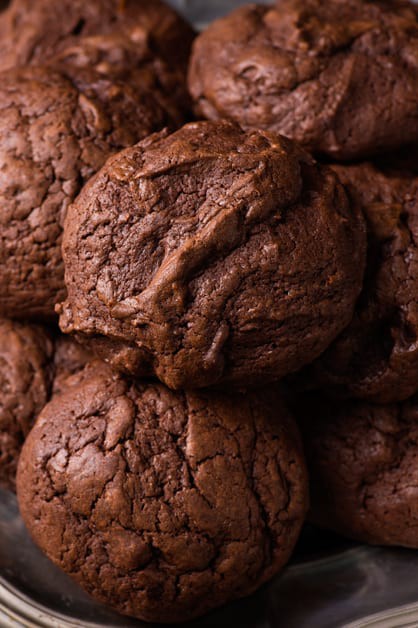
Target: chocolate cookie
{"type": "Point", "coordinates": [376, 357]}
{"type": "Point", "coordinates": [363, 466]}
{"type": "Point", "coordinates": [34, 32]}
{"type": "Point", "coordinates": [25, 381]}
{"type": "Point", "coordinates": [163, 505]}
{"type": "Point", "coordinates": [211, 256]}
{"type": "Point", "coordinates": [340, 76]}
{"type": "Point", "coordinates": [54, 134]}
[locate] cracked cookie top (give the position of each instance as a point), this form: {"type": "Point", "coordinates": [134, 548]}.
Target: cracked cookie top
{"type": "Point", "coordinates": [54, 134]}
{"type": "Point", "coordinates": [210, 256]}
{"type": "Point", "coordinates": [376, 357]}
{"type": "Point", "coordinates": [341, 76]}
{"type": "Point", "coordinates": [363, 468]}
{"type": "Point", "coordinates": [35, 32]}
{"type": "Point", "coordinates": [26, 375]}
{"type": "Point", "coordinates": [142, 494]}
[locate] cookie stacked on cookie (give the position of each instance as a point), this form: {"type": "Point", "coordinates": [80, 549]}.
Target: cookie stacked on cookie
{"type": "Point", "coordinates": [194, 268]}
{"type": "Point", "coordinates": [78, 83]}
{"type": "Point", "coordinates": [196, 496]}
{"type": "Point", "coordinates": [163, 504]}
{"type": "Point", "coordinates": [192, 257]}
{"type": "Point", "coordinates": [341, 78]}
{"type": "Point", "coordinates": [365, 489]}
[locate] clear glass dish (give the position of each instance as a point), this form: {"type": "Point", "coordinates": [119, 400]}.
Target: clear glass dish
{"type": "Point", "coordinates": [330, 582]}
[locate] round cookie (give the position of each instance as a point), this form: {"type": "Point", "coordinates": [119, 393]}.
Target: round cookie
{"type": "Point", "coordinates": [25, 382]}
{"type": "Point", "coordinates": [376, 357]}
{"type": "Point", "coordinates": [163, 505]}
{"type": "Point", "coordinates": [54, 134]}
{"type": "Point", "coordinates": [363, 464]}
{"type": "Point", "coordinates": [211, 256]}
{"type": "Point", "coordinates": [34, 32]}
{"type": "Point", "coordinates": [341, 76]}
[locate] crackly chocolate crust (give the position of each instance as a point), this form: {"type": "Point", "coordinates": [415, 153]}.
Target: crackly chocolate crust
{"type": "Point", "coordinates": [35, 32]}
{"type": "Point", "coordinates": [144, 495]}
{"type": "Point", "coordinates": [339, 76]}
{"type": "Point", "coordinates": [363, 464]}
{"type": "Point", "coordinates": [210, 256]}
{"type": "Point", "coordinates": [376, 357]}
{"type": "Point", "coordinates": [26, 375]}
{"type": "Point", "coordinates": [143, 43]}
{"type": "Point", "coordinates": [54, 134]}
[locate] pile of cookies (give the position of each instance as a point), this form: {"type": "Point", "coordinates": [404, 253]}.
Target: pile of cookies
{"type": "Point", "coordinates": [197, 234]}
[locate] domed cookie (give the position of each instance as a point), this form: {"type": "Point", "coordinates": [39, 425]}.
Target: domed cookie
{"type": "Point", "coordinates": [211, 256]}
{"type": "Point", "coordinates": [376, 357]}
{"type": "Point", "coordinates": [34, 32]}
{"type": "Point", "coordinates": [163, 505]}
{"type": "Point", "coordinates": [363, 463]}
{"type": "Point", "coordinates": [54, 134]}
{"type": "Point", "coordinates": [25, 382]}
{"type": "Point", "coordinates": [340, 76]}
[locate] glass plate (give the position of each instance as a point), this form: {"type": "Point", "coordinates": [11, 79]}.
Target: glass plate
{"type": "Point", "coordinates": [330, 583]}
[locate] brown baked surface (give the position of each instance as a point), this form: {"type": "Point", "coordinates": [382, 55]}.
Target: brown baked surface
{"type": "Point", "coordinates": [54, 134]}
{"type": "Point", "coordinates": [26, 375]}
{"type": "Point", "coordinates": [70, 358]}
{"type": "Point", "coordinates": [35, 363]}
{"type": "Point", "coordinates": [376, 357]}
{"type": "Point", "coordinates": [32, 32]}
{"type": "Point", "coordinates": [340, 76]}
{"type": "Point", "coordinates": [163, 505]}
{"type": "Point", "coordinates": [211, 256]}
{"type": "Point", "coordinates": [363, 466]}
{"type": "Point", "coordinates": [133, 63]}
